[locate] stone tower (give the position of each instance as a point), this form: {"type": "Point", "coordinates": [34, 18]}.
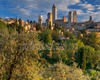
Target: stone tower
{"type": "Point", "coordinates": [74, 16]}
{"type": "Point", "coordinates": [54, 13]}
{"type": "Point", "coordinates": [90, 19]}
{"type": "Point", "coordinates": [64, 19]}
{"type": "Point", "coordinates": [49, 20]}
{"type": "Point", "coordinates": [40, 19]}
{"type": "Point", "coordinates": [70, 17]}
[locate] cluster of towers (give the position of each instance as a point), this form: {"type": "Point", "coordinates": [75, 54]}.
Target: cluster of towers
{"type": "Point", "coordinates": [72, 18]}
{"type": "Point", "coordinates": [52, 17]}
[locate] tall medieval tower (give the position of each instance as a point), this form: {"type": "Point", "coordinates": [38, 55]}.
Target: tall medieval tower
{"type": "Point", "coordinates": [90, 19]}
{"type": "Point", "coordinates": [54, 13]}
{"type": "Point", "coordinates": [40, 19]}
{"type": "Point", "coordinates": [49, 20]}
{"type": "Point", "coordinates": [74, 16]}
{"type": "Point", "coordinates": [70, 17]}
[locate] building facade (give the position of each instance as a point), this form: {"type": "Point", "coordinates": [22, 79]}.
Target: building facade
{"type": "Point", "coordinates": [49, 19]}
{"type": "Point", "coordinates": [40, 20]}
{"type": "Point", "coordinates": [54, 13]}
{"type": "Point", "coordinates": [74, 16]}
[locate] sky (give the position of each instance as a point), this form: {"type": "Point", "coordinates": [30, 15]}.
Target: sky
{"type": "Point", "coordinates": [31, 9]}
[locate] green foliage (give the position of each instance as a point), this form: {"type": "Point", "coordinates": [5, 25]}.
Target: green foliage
{"type": "Point", "coordinates": [64, 57]}
{"type": "Point", "coordinates": [84, 56]}
{"type": "Point", "coordinates": [55, 36]}
{"type": "Point", "coordinates": [83, 63]}
{"type": "Point", "coordinates": [20, 28]}
{"type": "Point", "coordinates": [2, 25]}
{"type": "Point", "coordinates": [18, 53]}
{"type": "Point", "coordinates": [92, 40]}
{"type": "Point", "coordinates": [92, 72]}
{"type": "Point", "coordinates": [46, 37]}
{"type": "Point", "coordinates": [96, 59]}
{"type": "Point", "coordinates": [69, 35]}
{"type": "Point", "coordinates": [71, 46]}
{"type": "Point", "coordinates": [56, 26]}
{"type": "Point", "coordinates": [35, 56]}
{"type": "Point", "coordinates": [3, 28]}
{"type": "Point", "coordinates": [38, 27]}
{"type": "Point", "coordinates": [12, 28]}
{"type": "Point", "coordinates": [60, 71]}
{"type": "Point", "coordinates": [94, 75]}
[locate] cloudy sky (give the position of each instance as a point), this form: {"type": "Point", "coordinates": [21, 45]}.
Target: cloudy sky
{"type": "Point", "coordinates": [30, 9]}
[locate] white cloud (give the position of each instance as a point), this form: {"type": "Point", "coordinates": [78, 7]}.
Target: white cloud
{"type": "Point", "coordinates": [6, 17]}
{"type": "Point", "coordinates": [79, 12]}
{"type": "Point", "coordinates": [74, 1]}
{"type": "Point", "coordinates": [98, 7]}
{"type": "Point", "coordinates": [32, 6]}
{"type": "Point", "coordinates": [87, 6]}
{"type": "Point", "coordinates": [63, 4]}
{"type": "Point", "coordinates": [85, 16]}
{"type": "Point", "coordinates": [45, 6]}
{"type": "Point", "coordinates": [25, 11]}
{"type": "Point", "coordinates": [30, 9]}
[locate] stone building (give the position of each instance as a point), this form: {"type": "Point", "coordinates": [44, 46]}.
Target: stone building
{"type": "Point", "coordinates": [89, 25]}
{"type": "Point", "coordinates": [49, 19]}
{"type": "Point", "coordinates": [54, 13]}
{"type": "Point", "coordinates": [64, 19]}
{"type": "Point", "coordinates": [40, 20]}
{"type": "Point", "coordinates": [74, 16]}
{"type": "Point", "coordinates": [90, 19]}
{"type": "Point", "coordinates": [70, 17]}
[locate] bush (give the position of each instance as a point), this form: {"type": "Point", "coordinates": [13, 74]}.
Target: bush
{"type": "Point", "coordinates": [92, 72]}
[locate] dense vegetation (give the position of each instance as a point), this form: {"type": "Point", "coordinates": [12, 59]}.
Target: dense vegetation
{"type": "Point", "coordinates": [43, 56]}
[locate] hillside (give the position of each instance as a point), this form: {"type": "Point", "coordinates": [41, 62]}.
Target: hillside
{"type": "Point", "coordinates": [43, 56]}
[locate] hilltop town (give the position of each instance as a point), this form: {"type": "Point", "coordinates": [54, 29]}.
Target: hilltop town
{"type": "Point", "coordinates": [59, 49]}
{"type": "Point", "coordinates": [70, 24]}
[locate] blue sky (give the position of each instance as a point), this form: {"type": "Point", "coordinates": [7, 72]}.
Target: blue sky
{"type": "Point", "coordinates": [30, 9]}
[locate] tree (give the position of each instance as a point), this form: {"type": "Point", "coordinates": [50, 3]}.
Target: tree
{"type": "Point", "coordinates": [60, 71]}
{"type": "Point", "coordinates": [96, 59]}
{"type": "Point", "coordinates": [64, 57]}
{"type": "Point", "coordinates": [56, 27]}
{"type": "Point", "coordinates": [19, 56]}
{"type": "Point", "coordinates": [84, 56]}
{"type": "Point", "coordinates": [45, 36]}
{"type": "Point", "coordinates": [31, 21]}
{"type": "Point", "coordinates": [69, 35]}
{"type": "Point", "coordinates": [28, 21]}
{"type": "Point", "coordinates": [55, 36]}
{"type": "Point", "coordinates": [3, 28]}
{"type": "Point", "coordinates": [92, 40]}
{"type": "Point", "coordinates": [38, 27]}
{"type": "Point", "coordinates": [12, 28]}
{"type": "Point", "coordinates": [83, 61]}
{"type": "Point", "coordinates": [70, 47]}
{"type": "Point", "coordinates": [20, 28]}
